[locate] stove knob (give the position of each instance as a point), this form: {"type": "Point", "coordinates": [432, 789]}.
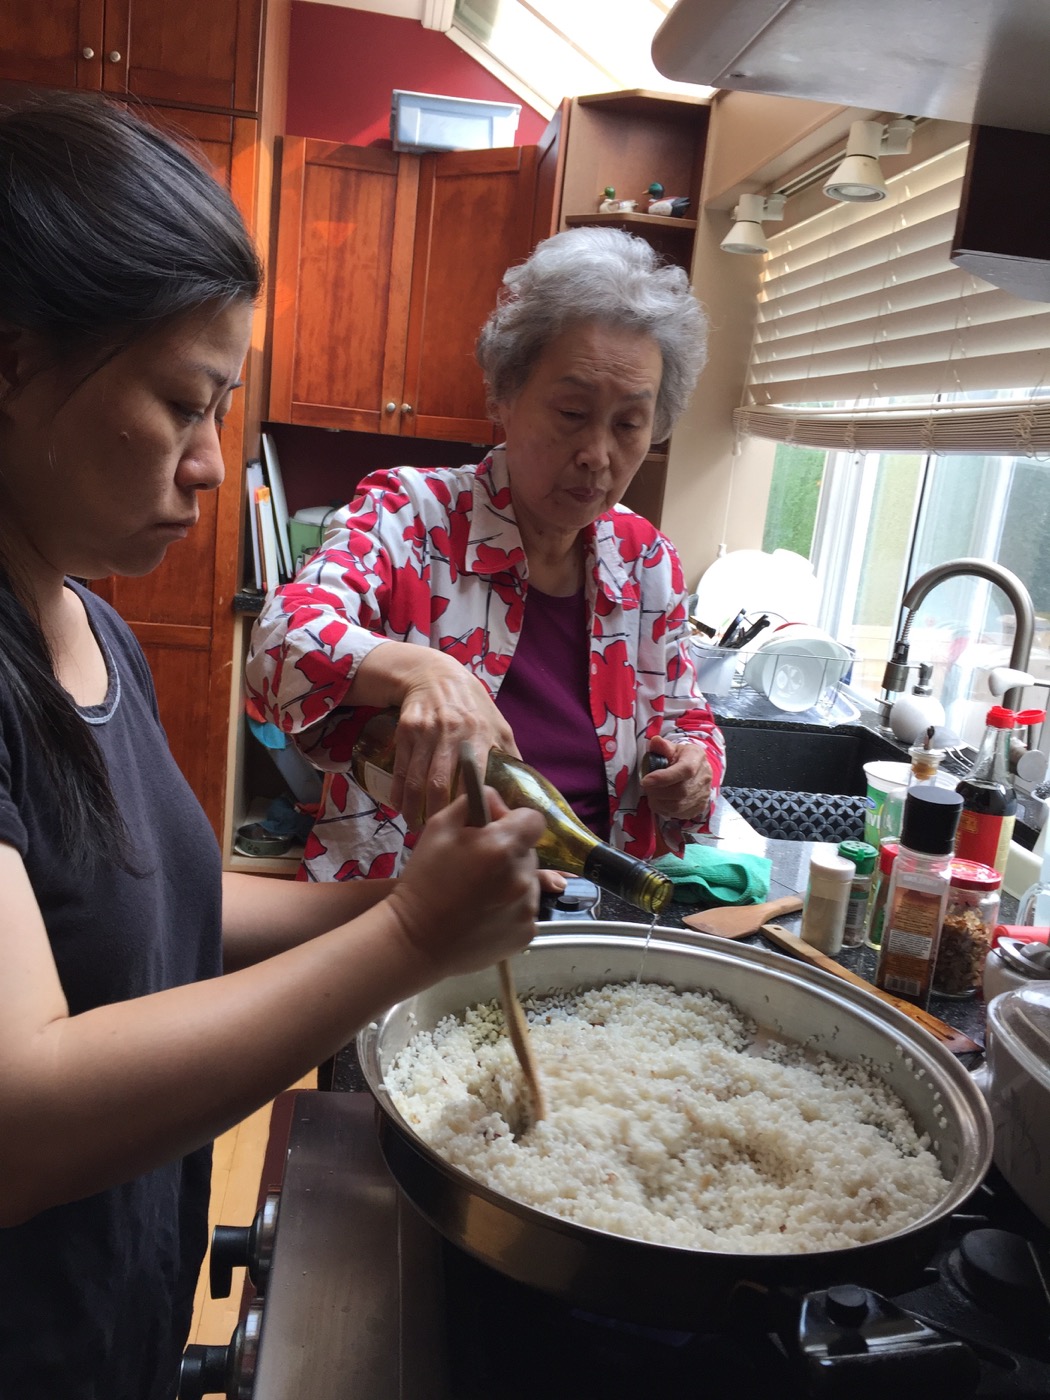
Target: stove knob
{"type": "Point", "coordinates": [244, 1246]}
{"type": "Point", "coordinates": [997, 1269]}
{"type": "Point", "coordinates": [846, 1304]}
{"type": "Point", "coordinates": [228, 1371]}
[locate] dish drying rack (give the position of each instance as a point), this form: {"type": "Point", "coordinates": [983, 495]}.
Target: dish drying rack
{"type": "Point", "coordinates": [767, 684]}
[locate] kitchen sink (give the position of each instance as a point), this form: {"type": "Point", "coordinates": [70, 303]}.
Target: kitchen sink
{"type": "Point", "coordinates": [802, 758]}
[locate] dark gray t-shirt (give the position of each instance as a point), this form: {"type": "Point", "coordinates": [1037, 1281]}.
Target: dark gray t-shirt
{"type": "Point", "coordinates": [96, 1296]}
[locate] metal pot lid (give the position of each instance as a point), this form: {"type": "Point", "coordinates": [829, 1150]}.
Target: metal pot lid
{"type": "Point", "coordinates": [1021, 1020]}
{"type": "Point", "coordinates": [1029, 959]}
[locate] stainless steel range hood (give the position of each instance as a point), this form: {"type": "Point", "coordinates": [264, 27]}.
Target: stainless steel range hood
{"type": "Point", "coordinates": [979, 61]}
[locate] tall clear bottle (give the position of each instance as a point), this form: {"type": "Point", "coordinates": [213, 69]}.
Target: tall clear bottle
{"type": "Point", "coordinates": [566, 844]}
{"type": "Point", "coordinates": [989, 801]}
{"type": "Point", "coordinates": [918, 893]}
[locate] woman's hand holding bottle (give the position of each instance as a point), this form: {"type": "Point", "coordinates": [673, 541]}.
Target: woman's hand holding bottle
{"type": "Point", "coordinates": [440, 705]}
{"type": "Point", "coordinates": [469, 895]}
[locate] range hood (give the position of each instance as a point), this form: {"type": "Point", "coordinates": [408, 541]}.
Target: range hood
{"type": "Point", "coordinates": [978, 61]}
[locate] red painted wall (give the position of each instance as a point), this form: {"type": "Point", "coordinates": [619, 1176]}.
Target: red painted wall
{"type": "Point", "coordinates": [344, 64]}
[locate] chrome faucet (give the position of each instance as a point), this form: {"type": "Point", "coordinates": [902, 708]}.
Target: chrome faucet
{"type": "Point", "coordinates": [895, 677]}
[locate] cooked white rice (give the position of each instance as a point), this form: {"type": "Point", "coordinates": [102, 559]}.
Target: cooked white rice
{"type": "Point", "coordinates": [667, 1123]}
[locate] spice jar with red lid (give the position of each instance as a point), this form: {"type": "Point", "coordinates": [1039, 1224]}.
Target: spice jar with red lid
{"type": "Point", "coordinates": [970, 918]}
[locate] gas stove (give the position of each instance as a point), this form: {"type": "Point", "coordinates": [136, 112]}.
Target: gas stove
{"type": "Point", "coordinates": [358, 1298]}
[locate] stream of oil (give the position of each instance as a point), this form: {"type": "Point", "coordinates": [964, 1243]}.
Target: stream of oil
{"type": "Point", "coordinates": [648, 937]}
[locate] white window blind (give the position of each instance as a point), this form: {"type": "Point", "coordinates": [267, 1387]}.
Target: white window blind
{"type": "Point", "coordinates": [862, 303]}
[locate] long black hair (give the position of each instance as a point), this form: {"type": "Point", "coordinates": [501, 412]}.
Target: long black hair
{"type": "Point", "coordinates": [108, 230]}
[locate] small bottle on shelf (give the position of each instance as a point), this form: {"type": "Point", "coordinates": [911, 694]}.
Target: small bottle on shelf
{"type": "Point", "coordinates": [825, 901]}
{"type": "Point", "coordinates": [565, 845]}
{"type": "Point", "coordinates": [918, 893]}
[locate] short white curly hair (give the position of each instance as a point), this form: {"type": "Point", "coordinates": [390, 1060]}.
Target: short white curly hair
{"type": "Point", "coordinates": [603, 275]}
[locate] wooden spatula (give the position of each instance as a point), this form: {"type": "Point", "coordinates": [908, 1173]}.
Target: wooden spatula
{"type": "Point", "coordinates": [513, 1015]}
{"type": "Point", "coordinates": [950, 1038]}
{"type": "Point", "coordinates": [738, 920]}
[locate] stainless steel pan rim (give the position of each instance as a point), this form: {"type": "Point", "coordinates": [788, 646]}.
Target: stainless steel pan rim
{"type": "Point", "coordinates": [582, 1263]}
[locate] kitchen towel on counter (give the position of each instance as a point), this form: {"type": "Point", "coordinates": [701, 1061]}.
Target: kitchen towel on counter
{"type": "Point", "coordinates": [708, 876]}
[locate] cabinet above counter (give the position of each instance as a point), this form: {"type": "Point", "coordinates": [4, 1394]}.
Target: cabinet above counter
{"type": "Point", "coordinates": [387, 265]}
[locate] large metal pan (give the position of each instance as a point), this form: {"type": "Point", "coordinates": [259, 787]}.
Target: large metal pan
{"type": "Point", "coordinates": [656, 1284]}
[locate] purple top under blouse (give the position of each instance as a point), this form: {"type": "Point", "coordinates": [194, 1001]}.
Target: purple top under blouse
{"type": "Point", "coordinates": [545, 699]}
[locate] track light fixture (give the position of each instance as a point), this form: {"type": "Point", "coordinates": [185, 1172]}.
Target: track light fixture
{"type": "Point", "coordinates": [858, 178]}
{"type": "Point", "coordinates": [746, 235]}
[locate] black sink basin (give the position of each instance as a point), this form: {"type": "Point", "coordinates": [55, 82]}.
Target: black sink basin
{"type": "Point", "coordinates": [801, 758]}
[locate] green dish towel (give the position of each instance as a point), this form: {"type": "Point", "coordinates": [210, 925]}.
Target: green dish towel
{"type": "Point", "coordinates": [708, 876]}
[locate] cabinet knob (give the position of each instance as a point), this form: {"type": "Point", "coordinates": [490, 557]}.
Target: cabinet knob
{"type": "Point", "coordinates": [390, 408]}
{"type": "Point", "coordinates": [87, 53]}
{"type": "Point", "coordinates": [113, 57]}
{"type": "Point", "coordinates": [406, 408]}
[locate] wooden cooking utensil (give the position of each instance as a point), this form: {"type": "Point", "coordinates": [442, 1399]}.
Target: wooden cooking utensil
{"type": "Point", "coordinates": [949, 1037]}
{"type": "Point", "coordinates": [738, 920]}
{"type": "Point", "coordinates": [517, 1026]}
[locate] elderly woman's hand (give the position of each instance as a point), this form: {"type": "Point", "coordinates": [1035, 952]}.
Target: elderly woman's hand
{"type": "Point", "coordinates": [683, 789]}
{"type": "Point", "coordinates": [441, 705]}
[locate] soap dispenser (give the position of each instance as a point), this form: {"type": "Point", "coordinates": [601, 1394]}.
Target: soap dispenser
{"type": "Point", "coordinates": [913, 714]}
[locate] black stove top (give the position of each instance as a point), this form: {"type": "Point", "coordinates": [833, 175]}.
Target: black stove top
{"type": "Point", "coordinates": [976, 1323]}
{"type": "Point", "coordinates": [366, 1300]}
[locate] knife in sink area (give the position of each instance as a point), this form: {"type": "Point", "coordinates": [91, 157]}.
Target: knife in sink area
{"type": "Point", "coordinates": [950, 1038]}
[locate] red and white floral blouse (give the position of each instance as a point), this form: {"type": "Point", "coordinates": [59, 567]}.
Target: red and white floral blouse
{"type": "Point", "coordinates": [433, 556]}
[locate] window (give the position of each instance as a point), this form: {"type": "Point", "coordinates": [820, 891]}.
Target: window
{"type": "Point", "coordinates": [554, 47]}
{"type": "Point", "coordinates": [880, 520]}
{"type": "Point", "coordinates": [889, 378]}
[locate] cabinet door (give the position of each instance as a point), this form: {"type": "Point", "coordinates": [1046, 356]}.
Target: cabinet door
{"type": "Point", "coordinates": [343, 270]}
{"type": "Point", "coordinates": [57, 44]}
{"type": "Point", "coordinates": [182, 612]}
{"type": "Point", "coordinates": [203, 55]}
{"type": "Point", "coordinates": [474, 220]}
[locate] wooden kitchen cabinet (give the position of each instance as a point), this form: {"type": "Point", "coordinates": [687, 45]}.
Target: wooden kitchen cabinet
{"type": "Point", "coordinates": [628, 140]}
{"type": "Point", "coordinates": [387, 265]}
{"type": "Point", "coordinates": [191, 55]}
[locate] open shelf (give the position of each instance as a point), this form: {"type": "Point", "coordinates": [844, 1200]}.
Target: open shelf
{"type": "Point", "coordinates": [639, 221]}
{"type": "Point", "coordinates": [640, 102]}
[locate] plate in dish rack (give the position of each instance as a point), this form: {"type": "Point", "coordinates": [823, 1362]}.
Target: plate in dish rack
{"type": "Point", "coordinates": [793, 672]}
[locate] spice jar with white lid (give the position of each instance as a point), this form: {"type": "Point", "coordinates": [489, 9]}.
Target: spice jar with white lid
{"type": "Point", "coordinates": [970, 917]}
{"type": "Point", "coordinates": [826, 900]}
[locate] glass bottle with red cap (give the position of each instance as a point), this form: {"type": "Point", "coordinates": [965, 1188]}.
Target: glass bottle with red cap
{"type": "Point", "coordinates": [989, 802]}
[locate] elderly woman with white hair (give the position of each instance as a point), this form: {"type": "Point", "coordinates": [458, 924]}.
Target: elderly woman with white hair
{"type": "Point", "coordinates": [515, 603]}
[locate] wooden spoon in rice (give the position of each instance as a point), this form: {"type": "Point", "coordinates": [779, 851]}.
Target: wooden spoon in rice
{"type": "Point", "coordinates": [513, 1015]}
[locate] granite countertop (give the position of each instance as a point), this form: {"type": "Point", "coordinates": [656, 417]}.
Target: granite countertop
{"type": "Point", "coordinates": [790, 869]}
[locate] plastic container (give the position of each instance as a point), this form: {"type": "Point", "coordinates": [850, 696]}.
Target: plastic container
{"type": "Point", "coordinates": [882, 777]}
{"type": "Point", "coordinates": [864, 859]}
{"type": "Point", "coordinates": [715, 668]}
{"type": "Point", "coordinates": [428, 121]}
{"type": "Point", "coordinates": [966, 933]}
{"type": "Point", "coordinates": [826, 899]}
